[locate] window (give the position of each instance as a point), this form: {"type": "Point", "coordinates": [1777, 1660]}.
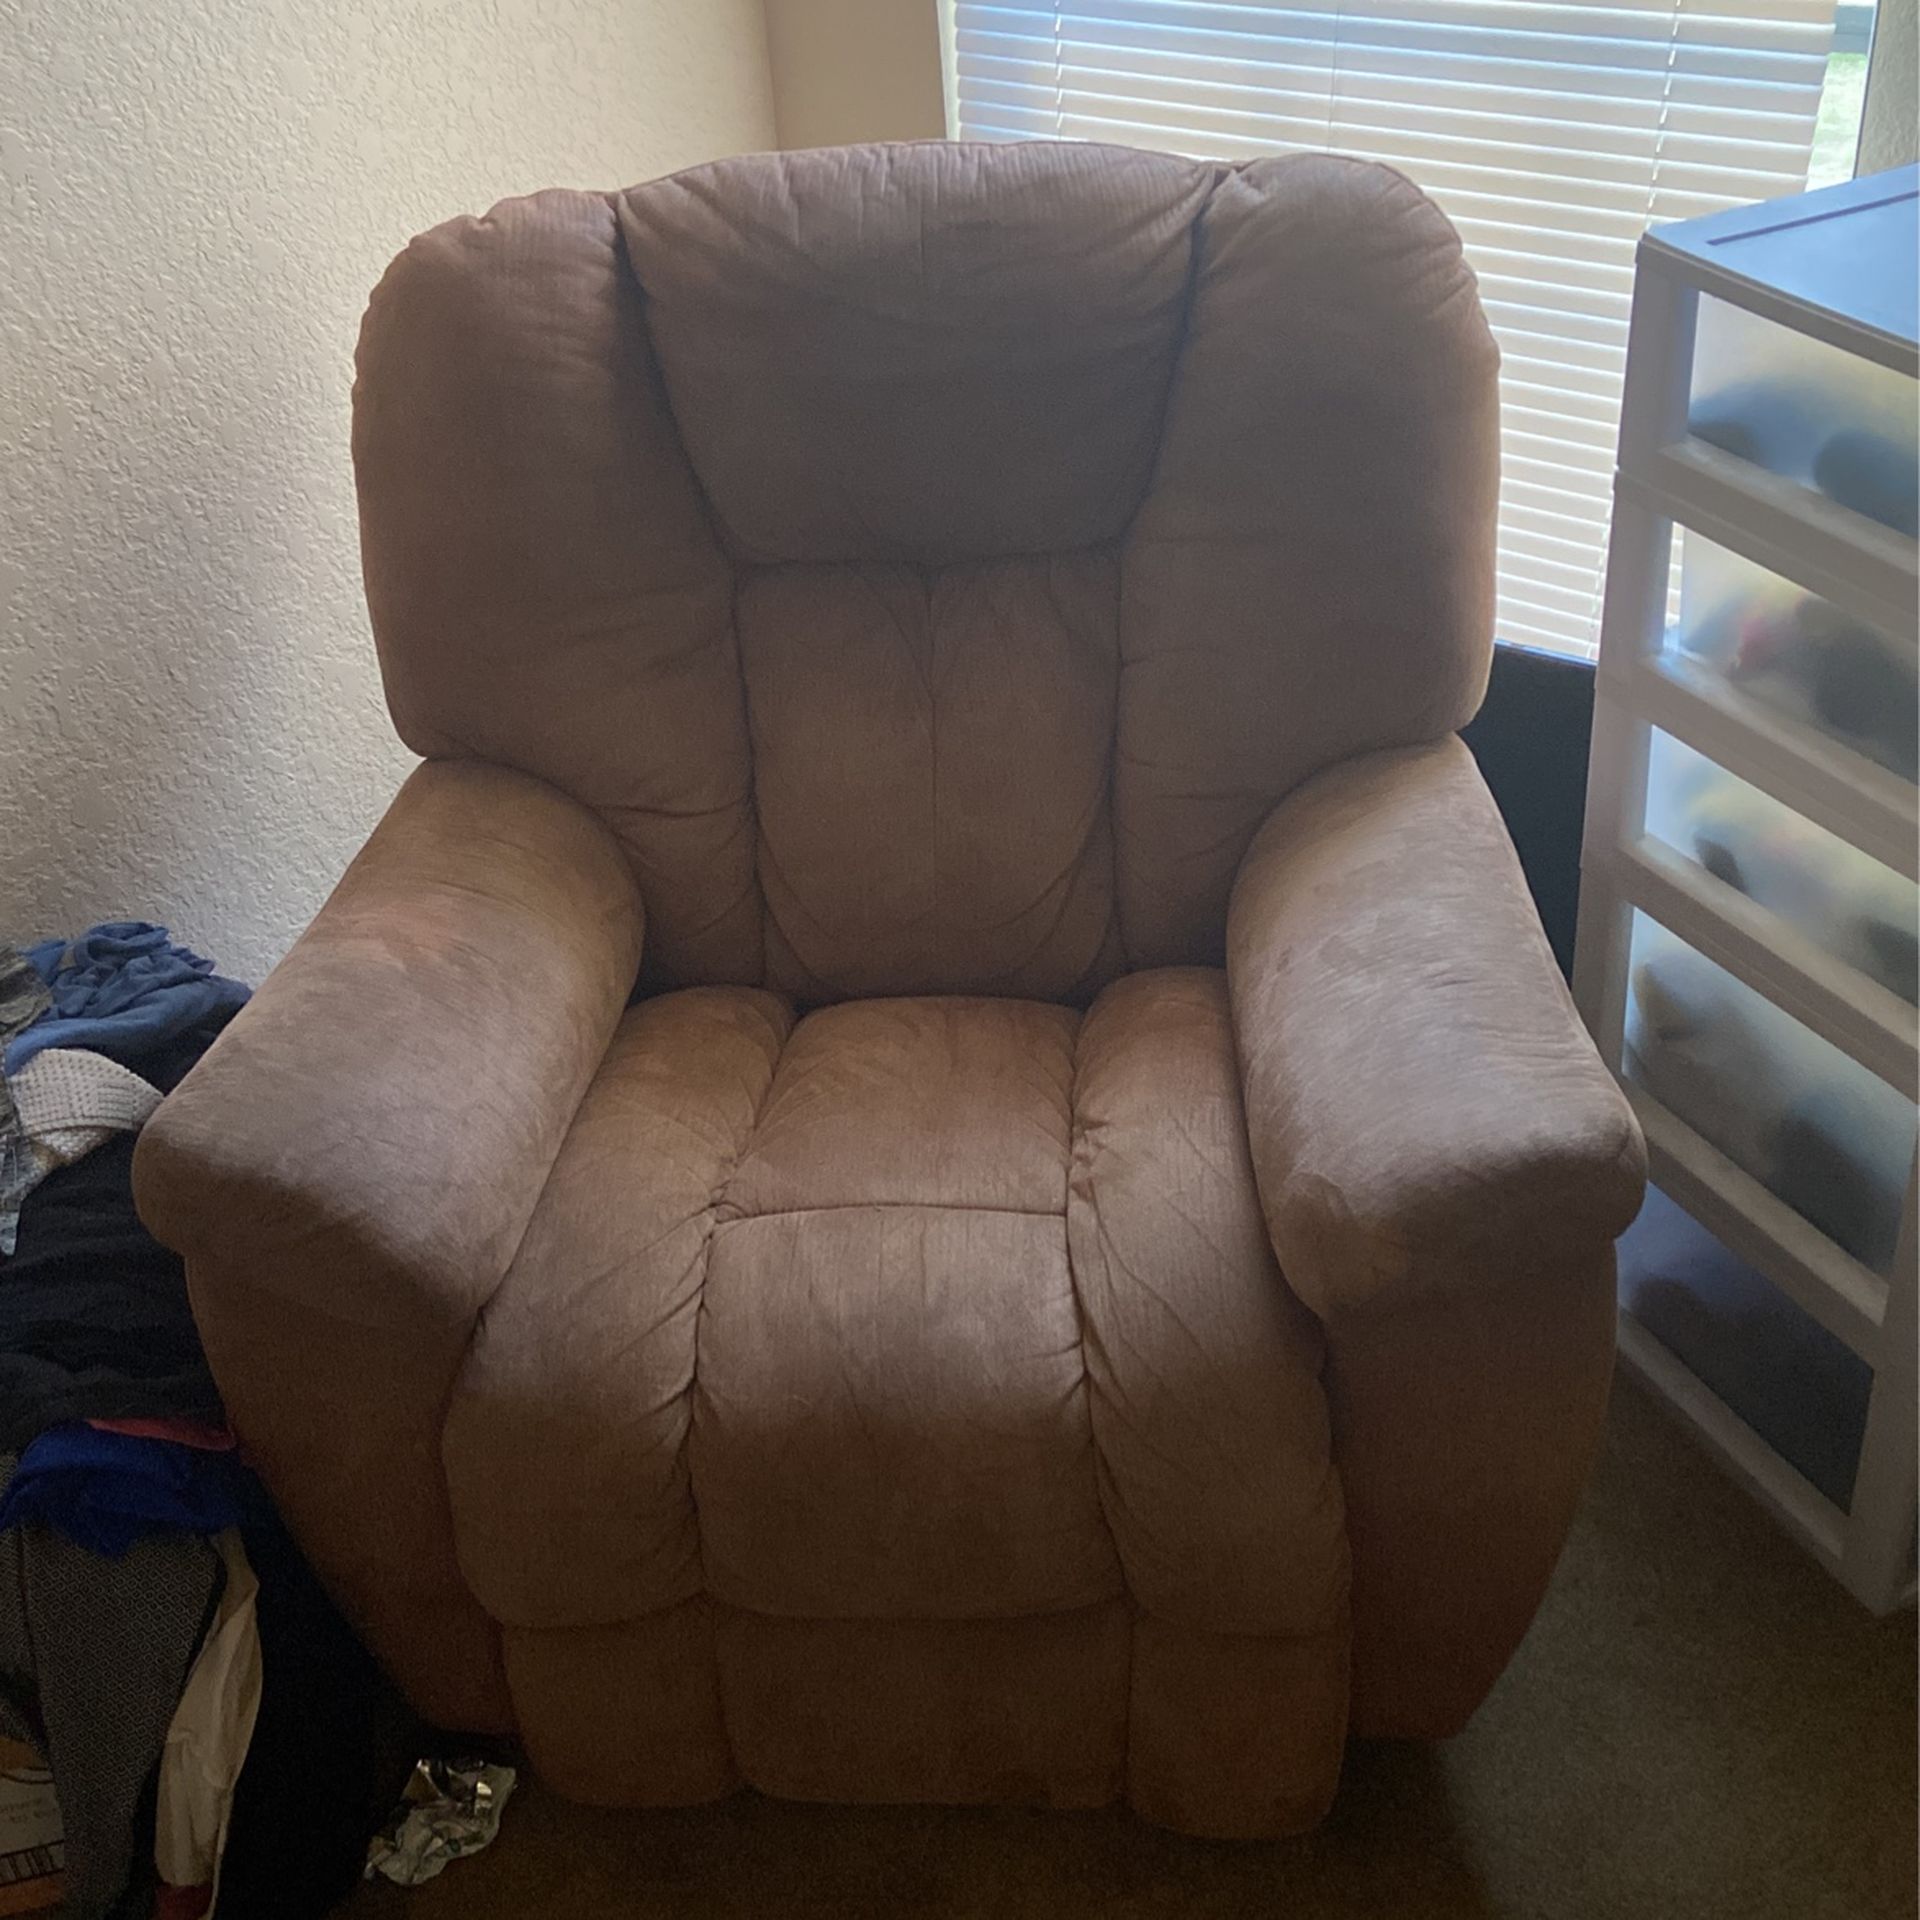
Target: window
{"type": "Point", "coordinates": [1551, 133]}
{"type": "Point", "coordinates": [1836, 134]}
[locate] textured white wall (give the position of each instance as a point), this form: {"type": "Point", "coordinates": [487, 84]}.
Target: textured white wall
{"type": "Point", "coordinates": [1890, 130]}
{"type": "Point", "coordinates": [195, 197]}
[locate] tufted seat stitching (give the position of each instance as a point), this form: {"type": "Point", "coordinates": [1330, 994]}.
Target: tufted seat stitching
{"type": "Point", "coordinates": [714, 1222]}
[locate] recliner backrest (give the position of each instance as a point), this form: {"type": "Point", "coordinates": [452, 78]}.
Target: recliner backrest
{"type": "Point", "coordinates": [933, 561]}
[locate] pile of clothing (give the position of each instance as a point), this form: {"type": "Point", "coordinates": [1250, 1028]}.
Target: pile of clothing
{"type": "Point", "coordinates": [213, 1729]}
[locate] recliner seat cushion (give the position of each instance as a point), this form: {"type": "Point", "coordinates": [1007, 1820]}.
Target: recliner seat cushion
{"type": "Point", "coordinates": [935, 1311]}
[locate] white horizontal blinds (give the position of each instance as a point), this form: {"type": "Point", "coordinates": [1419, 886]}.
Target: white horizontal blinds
{"type": "Point", "coordinates": [1552, 134]}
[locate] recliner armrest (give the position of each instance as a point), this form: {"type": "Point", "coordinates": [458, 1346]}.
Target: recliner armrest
{"type": "Point", "coordinates": [402, 1081]}
{"type": "Point", "coordinates": [349, 1172]}
{"type": "Point", "coordinates": [1424, 1107]}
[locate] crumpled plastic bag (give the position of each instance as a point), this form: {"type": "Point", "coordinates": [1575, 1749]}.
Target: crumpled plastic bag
{"type": "Point", "coordinates": [450, 1808]}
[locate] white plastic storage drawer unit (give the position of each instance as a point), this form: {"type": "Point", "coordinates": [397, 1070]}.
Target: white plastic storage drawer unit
{"type": "Point", "coordinates": [1747, 957]}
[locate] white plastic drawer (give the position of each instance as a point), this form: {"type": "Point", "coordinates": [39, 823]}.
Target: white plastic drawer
{"type": "Point", "coordinates": [1827, 420]}
{"type": "Point", "coordinates": [1860, 912]}
{"type": "Point", "coordinates": [1773, 1365]}
{"type": "Point", "coordinates": [1830, 1141]}
{"type": "Point", "coordinates": [1798, 656]}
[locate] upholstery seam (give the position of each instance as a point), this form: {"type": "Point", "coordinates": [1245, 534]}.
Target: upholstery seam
{"type": "Point", "coordinates": [705, 1593]}
{"type": "Point", "coordinates": [1123, 546]}
{"type": "Point", "coordinates": [1341, 1630]}
{"type": "Point", "coordinates": [896, 1206]}
{"type": "Point", "coordinates": [753, 773]}
{"type": "Point", "coordinates": [1086, 985]}
{"type": "Point", "coordinates": [1076, 1135]}
{"type": "Point", "coordinates": [464, 1353]}
{"type": "Point", "coordinates": [1122, 1599]}
{"type": "Point", "coordinates": [716, 532]}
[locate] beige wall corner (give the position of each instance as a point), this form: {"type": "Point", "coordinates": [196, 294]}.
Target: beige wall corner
{"type": "Point", "coordinates": [848, 70]}
{"type": "Point", "coordinates": [1890, 128]}
{"type": "Point", "coordinates": [195, 199]}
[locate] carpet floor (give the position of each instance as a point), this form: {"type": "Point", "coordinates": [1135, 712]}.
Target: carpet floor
{"type": "Point", "coordinates": [1701, 1726]}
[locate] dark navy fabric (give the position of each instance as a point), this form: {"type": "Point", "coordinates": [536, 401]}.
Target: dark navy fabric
{"type": "Point", "coordinates": [95, 1323]}
{"type": "Point", "coordinates": [103, 1491]}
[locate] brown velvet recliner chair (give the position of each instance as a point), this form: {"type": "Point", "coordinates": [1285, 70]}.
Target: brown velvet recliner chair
{"type": "Point", "coordinates": [1084, 1268]}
